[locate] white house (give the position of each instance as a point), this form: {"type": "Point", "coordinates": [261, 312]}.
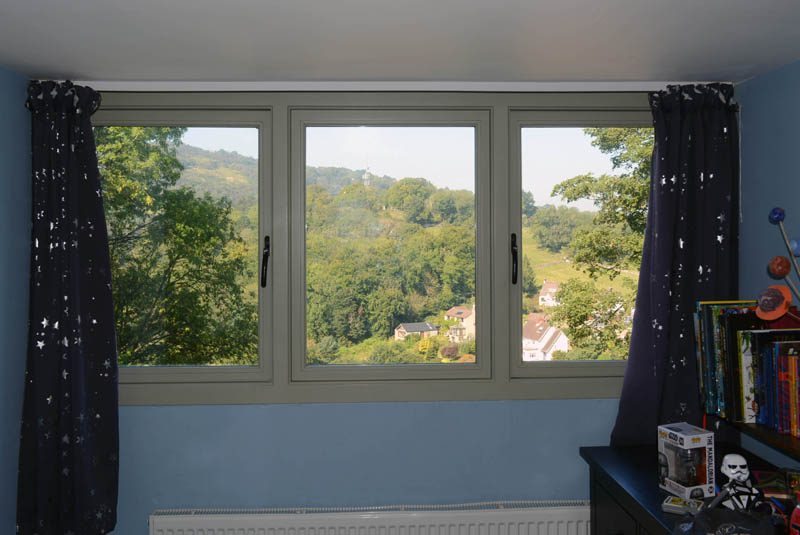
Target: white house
{"type": "Point", "coordinates": [547, 295]}
{"type": "Point", "coordinates": [540, 339]}
{"type": "Point", "coordinates": [465, 328]}
{"type": "Point", "coordinates": [421, 329]}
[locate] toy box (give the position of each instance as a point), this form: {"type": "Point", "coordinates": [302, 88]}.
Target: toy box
{"type": "Point", "coordinates": [686, 460]}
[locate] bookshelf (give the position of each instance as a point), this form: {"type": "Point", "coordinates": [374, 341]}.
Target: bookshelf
{"type": "Point", "coordinates": [748, 368]}
{"type": "Point", "coordinates": [786, 444]}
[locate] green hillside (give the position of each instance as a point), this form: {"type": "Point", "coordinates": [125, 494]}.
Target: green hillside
{"type": "Point", "coordinates": [231, 175]}
{"type": "Point", "coordinates": [384, 251]}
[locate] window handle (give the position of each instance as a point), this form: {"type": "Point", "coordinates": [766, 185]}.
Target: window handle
{"type": "Point", "coordinates": [265, 262]}
{"type": "Point", "coordinates": [514, 258]}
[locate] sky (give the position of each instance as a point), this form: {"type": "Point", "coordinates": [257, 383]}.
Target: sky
{"type": "Point", "coordinates": [443, 155]}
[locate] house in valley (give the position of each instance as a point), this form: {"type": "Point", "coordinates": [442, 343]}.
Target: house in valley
{"type": "Point", "coordinates": [547, 295]}
{"type": "Point", "coordinates": [421, 329]}
{"type": "Point", "coordinates": [465, 328]}
{"type": "Point", "coordinates": [540, 339]}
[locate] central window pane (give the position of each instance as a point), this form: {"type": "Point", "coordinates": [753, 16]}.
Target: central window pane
{"type": "Point", "coordinates": [390, 245]}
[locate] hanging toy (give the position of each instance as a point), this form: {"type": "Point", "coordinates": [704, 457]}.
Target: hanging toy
{"type": "Point", "coordinates": [774, 301]}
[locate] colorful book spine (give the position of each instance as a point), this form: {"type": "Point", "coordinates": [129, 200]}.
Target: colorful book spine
{"type": "Point", "coordinates": [748, 372]}
{"type": "Point", "coordinates": [796, 393]}
{"type": "Point", "coordinates": [769, 375]}
{"type": "Point", "coordinates": [720, 372]}
{"type": "Point", "coordinates": [792, 394]}
{"type": "Point", "coordinates": [724, 393]}
{"type": "Point", "coordinates": [775, 391]}
{"type": "Point", "coordinates": [787, 353]}
{"type": "Point", "coordinates": [783, 391]}
{"type": "Point", "coordinates": [760, 379]}
{"type": "Point", "coordinates": [699, 355]}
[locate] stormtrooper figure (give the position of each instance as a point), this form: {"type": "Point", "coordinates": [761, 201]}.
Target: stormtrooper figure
{"type": "Point", "coordinates": [740, 493]}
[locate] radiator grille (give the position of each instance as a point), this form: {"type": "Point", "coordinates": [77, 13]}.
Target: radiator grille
{"type": "Point", "coordinates": [491, 518]}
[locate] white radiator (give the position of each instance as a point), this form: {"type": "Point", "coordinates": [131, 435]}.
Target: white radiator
{"type": "Point", "coordinates": [496, 518]}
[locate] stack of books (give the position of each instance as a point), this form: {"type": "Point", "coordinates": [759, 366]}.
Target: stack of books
{"type": "Point", "coordinates": [748, 367]}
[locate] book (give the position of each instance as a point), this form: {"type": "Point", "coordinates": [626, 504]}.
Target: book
{"type": "Point", "coordinates": [748, 373]}
{"type": "Point", "coordinates": [709, 340]}
{"type": "Point", "coordinates": [793, 395]}
{"type": "Point", "coordinates": [720, 354]}
{"type": "Point", "coordinates": [700, 359]}
{"type": "Point", "coordinates": [786, 354]}
{"type": "Point", "coordinates": [734, 321]}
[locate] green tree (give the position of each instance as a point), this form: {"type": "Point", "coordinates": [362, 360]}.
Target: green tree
{"type": "Point", "coordinates": [176, 257]}
{"type": "Point", "coordinates": [554, 226]}
{"type": "Point", "coordinates": [386, 309]}
{"type": "Point", "coordinates": [410, 196]}
{"type": "Point", "coordinates": [529, 286]}
{"type": "Point", "coordinates": [323, 352]}
{"type": "Point", "coordinates": [615, 242]}
{"type": "Point", "coordinates": [596, 320]}
{"type": "Point", "coordinates": [451, 206]}
{"type": "Point", "coordinates": [528, 205]}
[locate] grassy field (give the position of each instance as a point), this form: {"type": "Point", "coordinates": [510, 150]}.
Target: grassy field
{"type": "Point", "coordinates": [557, 267]}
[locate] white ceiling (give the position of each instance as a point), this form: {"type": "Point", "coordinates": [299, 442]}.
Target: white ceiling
{"type": "Point", "coordinates": [398, 40]}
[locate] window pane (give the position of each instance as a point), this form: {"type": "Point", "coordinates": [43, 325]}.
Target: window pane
{"type": "Point", "coordinates": [584, 204]}
{"type": "Point", "coordinates": [390, 245]}
{"type": "Point", "coordinates": [182, 213]}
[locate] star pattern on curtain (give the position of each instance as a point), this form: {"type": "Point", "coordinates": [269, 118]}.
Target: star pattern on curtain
{"type": "Point", "coordinates": [68, 464]}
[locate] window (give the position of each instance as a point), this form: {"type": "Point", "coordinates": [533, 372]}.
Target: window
{"type": "Point", "coordinates": [393, 242]}
{"type": "Point", "coordinates": [182, 211]}
{"type": "Point", "coordinates": [389, 218]}
{"type": "Point", "coordinates": [583, 207]}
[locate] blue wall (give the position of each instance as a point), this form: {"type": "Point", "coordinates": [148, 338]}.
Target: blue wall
{"type": "Point", "coordinates": [14, 238]}
{"type": "Point", "coordinates": [347, 454]}
{"type": "Point", "coordinates": [770, 115]}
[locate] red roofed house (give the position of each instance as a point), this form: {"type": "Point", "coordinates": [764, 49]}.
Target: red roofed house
{"type": "Point", "coordinates": [465, 328]}
{"type": "Point", "coordinates": [540, 339]}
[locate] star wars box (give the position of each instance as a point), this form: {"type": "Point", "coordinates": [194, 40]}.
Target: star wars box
{"type": "Point", "coordinates": [686, 460]}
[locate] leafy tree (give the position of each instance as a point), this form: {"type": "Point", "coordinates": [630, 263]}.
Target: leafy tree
{"type": "Point", "coordinates": [177, 260]}
{"type": "Point", "coordinates": [386, 309]}
{"type": "Point", "coordinates": [394, 352]}
{"type": "Point", "coordinates": [451, 206]}
{"type": "Point", "coordinates": [410, 196]}
{"type": "Point", "coordinates": [529, 286]}
{"type": "Point", "coordinates": [555, 226]}
{"type": "Point", "coordinates": [606, 249]}
{"type": "Point", "coordinates": [320, 210]}
{"type": "Point", "coordinates": [596, 320]}
{"type": "Point", "coordinates": [528, 205]}
{"type": "Point", "coordinates": [323, 352]}
{"type": "Point", "coordinates": [621, 200]}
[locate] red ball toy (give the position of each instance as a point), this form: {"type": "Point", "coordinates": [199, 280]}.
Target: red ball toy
{"type": "Point", "coordinates": [779, 267]}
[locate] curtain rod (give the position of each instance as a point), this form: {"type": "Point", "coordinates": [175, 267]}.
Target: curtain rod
{"type": "Point", "coordinates": [427, 86]}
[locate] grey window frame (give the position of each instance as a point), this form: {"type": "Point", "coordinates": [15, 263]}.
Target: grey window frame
{"type": "Point", "coordinates": [477, 119]}
{"type": "Point", "coordinates": [278, 383]}
{"type": "Point", "coordinates": [633, 116]}
{"type": "Point", "coordinates": [250, 118]}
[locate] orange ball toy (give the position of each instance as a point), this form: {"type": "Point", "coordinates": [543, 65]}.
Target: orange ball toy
{"type": "Point", "coordinates": [779, 267]}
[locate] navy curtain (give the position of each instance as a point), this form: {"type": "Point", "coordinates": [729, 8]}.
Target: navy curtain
{"type": "Point", "coordinates": [68, 462]}
{"type": "Point", "coordinates": [690, 253]}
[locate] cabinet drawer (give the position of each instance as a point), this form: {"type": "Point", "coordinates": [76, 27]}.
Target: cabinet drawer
{"type": "Point", "coordinates": [610, 518]}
